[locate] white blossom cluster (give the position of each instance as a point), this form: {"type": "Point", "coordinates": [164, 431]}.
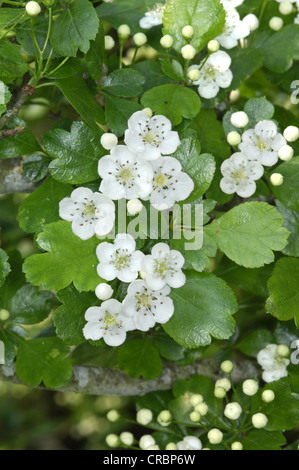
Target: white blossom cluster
{"type": "Point", "coordinates": [137, 170]}
{"type": "Point", "coordinates": [153, 17]}
{"type": "Point", "coordinates": [274, 361]}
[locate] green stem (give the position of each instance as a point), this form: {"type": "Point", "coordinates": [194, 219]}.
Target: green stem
{"type": "Point", "coordinates": [121, 49]}
{"type": "Point", "coordinates": [58, 67]}
{"type": "Point", "coordinates": [13, 26]}
{"type": "Point", "coordinates": [134, 56]}
{"type": "Point", "coordinates": [15, 4]}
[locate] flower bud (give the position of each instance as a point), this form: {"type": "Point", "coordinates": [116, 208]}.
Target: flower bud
{"type": "Point", "coordinates": [276, 23]}
{"type": "Point", "coordinates": [144, 416]}
{"type": "Point", "coordinates": [268, 396]}
{"type": "Point", "coordinates": [196, 399]}
{"type": "Point", "coordinates": [127, 438]}
{"type": "Point", "coordinates": [195, 417]}
{"type": "Point", "coordinates": [166, 41]}
{"type": "Point", "coordinates": [234, 138]}
{"type": "Point", "coordinates": [124, 31]}
{"type": "Point", "coordinates": [250, 387]}
{"type": "Point", "coordinates": [113, 416]}
{"type": "Point", "coordinates": [251, 21]}
{"type": "Point", "coordinates": [202, 408]}
{"type": "Point", "coordinates": [259, 420]}
{"type": "Point", "coordinates": [223, 383]}
{"type": "Point", "coordinates": [286, 153]}
{"type": "Point", "coordinates": [4, 314]}
{"type": "Point", "coordinates": [227, 367]}
{"type": "Point", "coordinates": [194, 75]}
{"type": "Point", "coordinates": [215, 436]}
{"type": "Point", "coordinates": [291, 133]}
{"type": "Point", "coordinates": [154, 447]}
{"type": "Point", "coordinates": [237, 446]}
{"type": "Point", "coordinates": [283, 350]}
{"type": "Point", "coordinates": [104, 291]}
{"type": "Point", "coordinates": [219, 392]}
{"type": "Point", "coordinates": [239, 119]}
{"type": "Point", "coordinates": [134, 206]}
{"type": "Point", "coordinates": [146, 441]}
{"type": "Point", "coordinates": [109, 141]}
{"type": "Point", "coordinates": [139, 39]}
{"type": "Point", "coordinates": [213, 46]}
{"type": "Point", "coordinates": [188, 52]}
{"type": "Point", "coordinates": [233, 411]}
{"type": "Point", "coordinates": [276, 179]}
{"type": "Point", "coordinates": [148, 111]}
{"type": "Point", "coordinates": [286, 8]}
{"type": "Point", "coordinates": [188, 32]}
{"type": "Point", "coordinates": [109, 43]}
{"type": "Point", "coordinates": [164, 418]}
{"type": "Point", "coordinates": [112, 440]}
{"type": "Point", "coordinates": [33, 8]}
{"type": "Point", "coordinates": [171, 446]}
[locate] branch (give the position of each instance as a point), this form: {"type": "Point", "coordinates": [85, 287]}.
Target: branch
{"type": "Point", "coordinates": [101, 381]}
{"type": "Point", "coordinates": [13, 110]}
{"type": "Point", "coordinates": [12, 179]}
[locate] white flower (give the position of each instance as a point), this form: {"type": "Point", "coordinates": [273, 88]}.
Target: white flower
{"type": "Point", "coordinates": [107, 322]}
{"type": "Point", "coordinates": [262, 143]}
{"type": "Point", "coordinates": [147, 307]}
{"type": "Point", "coordinates": [215, 74]}
{"type": "Point", "coordinates": [274, 365]}
{"type": "Point", "coordinates": [163, 267]}
{"type": "Point", "coordinates": [231, 3]}
{"type": "Point", "coordinates": [239, 175]}
{"type": "Point", "coordinates": [153, 17]}
{"type": "Point", "coordinates": [90, 213]}
{"type": "Point", "coordinates": [150, 137]}
{"type": "Point", "coordinates": [190, 443]}
{"type": "Point", "coordinates": [119, 259]}
{"type": "Point", "coordinates": [170, 184]}
{"type": "Point", "coordinates": [234, 30]}
{"type": "Point", "coordinates": [124, 175]}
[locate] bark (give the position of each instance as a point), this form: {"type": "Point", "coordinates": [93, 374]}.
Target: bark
{"type": "Point", "coordinates": [12, 179]}
{"type": "Point", "coordinates": [101, 381]}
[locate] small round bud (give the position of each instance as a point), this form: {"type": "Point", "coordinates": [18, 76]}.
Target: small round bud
{"type": "Point", "coordinates": [251, 21]}
{"type": "Point", "coordinates": [202, 408]}
{"type": "Point", "coordinates": [127, 438]}
{"type": "Point", "coordinates": [239, 119]}
{"type": "Point", "coordinates": [285, 8]}
{"type": "Point", "coordinates": [171, 446]}
{"type": "Point", "coordinates": [188, 52]}
{"type": "Point", "coordinates": [215, 436]}
{"type": "Point", "coordinates": [109, 141]}
{"type": "Point", "coordinates": [139, 39]}
{"type": "Point", "coordinates": [134, 206]}
{"type": "Point", "coordinates": [124, 31]}
{"type": "Point", "coordinates": [113, 416]}
{"type": "Point", "coordinates": [234, 138]}
{"type": "Point", "coordinates": [291, 133]}
{"type": "Point", "coordinates": [276, 23]}
{"type": "Point", "coordinates": [234, 96]}
{"type": "Point", "coordinates": [268, 396]}
{"type": "Point", "coordinates": [283, 350]}
{"type": "Point", "coordinates": [227, 367]}
{"type": "Point", "coordinates": [166, 41]}
{"type": "Point", "coordinates": [259, 420]}
{"type": "Point", "coordinates": [112, 440]}
{"type": "Point", "coordinates": [286, 153]}
{"type": "Point", "coordinates": [224, 383]}
{"type": "Point", "coordinates": [33, 8]}
{"type": "Point", "coordinates": [195, 417]}
{"type": "Point", "coordinates": [276, 179]}
{"type": "Point", "coordinates": [213, 46]}
{"type": "Point", "coordinates": [196, 399]}
{"type": "Point", "coordinates": [143, 274]}
{"type": "Point", "coordinates": [109, 43]}
{"type": "Point", "coordinates": [104, 291]}
{"type": "Point", "coordinates": [146, 441]}
{"type": "Point", "coordinates": [250, 387]}
{"type": "Point", "coordinates": [4, 314]}
{"type": "Point", "coordinates": [144, 416]}
{"type": "Point", "coordinates": [154, 447]}
{"type": "Point", "coordinates": [219, 392]}
{"type": "Point", "coordinates": [148, 111]}
{"type": "Point", "coordinates": [164, 418]}
{"type": "Point", "coordinates": [188, 32]}
{"type": "Point", "coordinates": [233, 411]}
{"type": "Point", "coordinates": [194, 75]}
{"type": "Point", "coordinates": [237, 446]}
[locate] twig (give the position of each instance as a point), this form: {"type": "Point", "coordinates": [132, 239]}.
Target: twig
{"type": "Point", "coordinates": [26, 91]}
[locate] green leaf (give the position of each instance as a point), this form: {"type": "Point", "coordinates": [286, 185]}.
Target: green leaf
{"type": "Point", "coordinates": [257, 110]}
{"type": "Point", "coordinates": [35, 167]}
{"type": "Point", "coordinates": [30, 305]}
{"type": "Point", "coordinates": [124, 82]}
{"type": "Point", "coordinates": [21, 144]}
{"type": "Point", "coordinates": [140, 358]}
{"type": "Point", "coordinates": [244, 63]}
{"type": "Point", "coordinates": [83, 102]}
{"type": "Point", "coordinates": [253, 343]}
{"type": "Point", "coordinates": [74, 28]}
{"type": "Point", "coordinates": [291, 222]}
{"type": "Point", "coordinates": [284, 293]}
{"type": "Point", "coordinates": [69, 69]}
{"type": "Point", "coordinates": [124, 12]}
{"type": "Point", "coordinates": [118, 112]}
{"type": "Point", "coordinates": [152, 72]}
{"type": "Point", "coordinates": [248, 233]}
{"type": "Point", "coordinates": [173, 69]}
{"type": "Point", "coordinates": [260, 439]}
{"type": "Point", "coordinates": [9, 16]}
{"type": "Point", "coordinates": [96, 54]}
{"type": "Point", "coordinates": [42, 206]}
{"type": "Point", "coordinates": [207, 19]}
{"type": "Point", "coordinates": [69, 319]}
{"type": "Point", "coordinates": [4, 266]}
{"type": "Point", "coordinates": [76, 153]}
{"type": "Point", "coordinates": [5, 96]}
{"type": "Point", "coordinates": [198, 259]}
{"type": "Point", "coordinates": [12, 64]}
{"type": "Point", "coordinates": [14, 280]}
{"type": "Point", "coordinates": [200, 168]}
{"type": "Point", "coordinates": [196, 317]}
{"type": "Point", "coordinates": [24, 35]}
{"type": "Point", "coordinates": [167, 348]}
{"type": "Point", "coordinates": [59, 267]}
{"type": "Point", "coordinates": [289, 190]}
{"type": "Point", "coordinates": [43, 360]}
